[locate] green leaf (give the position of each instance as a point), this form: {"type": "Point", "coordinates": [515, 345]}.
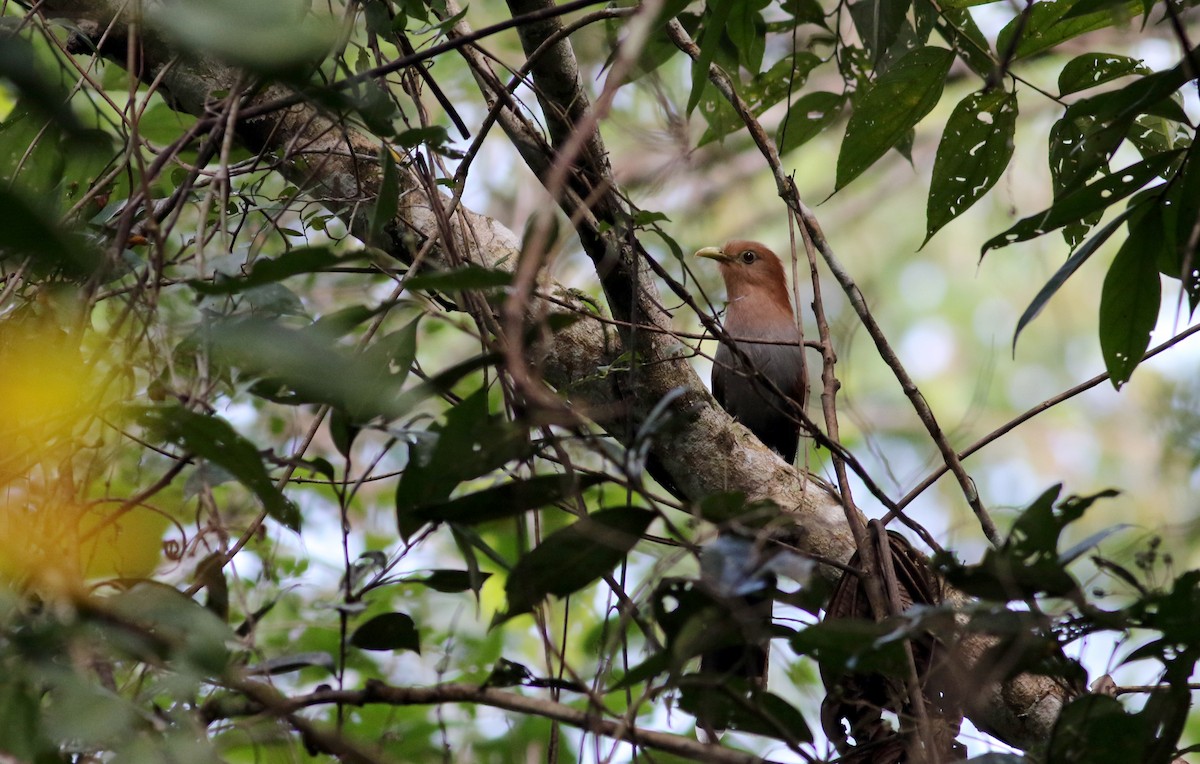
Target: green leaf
{"type": "Point", "coordinates": [29, 230]}
{"type": "Point", "coordinates": [466, 277]}
{"type": "Point", "coordinates": [383, 211]}
{"type": "Point", "coordinates": [451, 581]}
{"type": "Point", "coordinates": [748, 32]}
{"type": "Point", "coordinates": [1097, 728]}
{"type": "Point", "coordinates": [573, 557]}
{"type": "Point", "coordinates": [716, 19]}
{"type": "Point", "coordinates": [1078, 258]}
{"type": "Point", "coordinates": [763, 713]}
{"type": "Point", "coordinates": [806, 118]}
{"type": "Point", "coordinates": [1092, 69]}
{"type": "Point", "coordinates": [179, 626]}
{"type": "Point", "coordinates": [21, 735]}
{"type": "Point", "coordinates": [390, 631]}
{"type": "Point", "coordinates": [787, 75]}
{"type": "Point", "coordinates": [212, 438]}
{"type": "Point", "coordinates": [890, 108]}
{"type": "Point", "coordinates": [470, 444]}
{"type": "Point", "coordinates": [1079, 147]}
{"type": "Point", "coordinates": [1129, 304]}
{"type": "Point", "coordinates": [878, 23]}
{"type": "Point", "coordinates": [380, 371]}
{"type": "Point", "coordinates": [434, 135]}
{"type": "Point", "coordinates": [974, 151]}
{"type": "Point", "coordinates": [1046, 24]}
{"type": "Point", "coordinates": [958, 28]}
{"type": "Point", "coordinates": [505, 500]}
{"type": "Point", "coordinates": [852, 644]}
{"type": "Point", "coordinates": [265, 36]}
{"type": "Point", "coordinates": [293, 263]}
{"type": "Point", "coordinates": [1082, 202]}
{"type": "Point", "coordinates": [1141, 96]}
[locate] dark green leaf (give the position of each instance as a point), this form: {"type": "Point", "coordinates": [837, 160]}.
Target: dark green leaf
{"type": "Point", "coordinates": [716, 19]}
{"type": "Point", "coordinates": [763, 713]}
{"type": "Point", "coordinates": [1092, 69]}
{"type": "Point", "coordinates": [1129, 305]}
{"type": "Point", "coordinates": [890, 108]}
{"type": "Point", "coordinates": [1096, 729]}
{"type": "Point", "coordinates": [467, 277]}
{"type": "Point", "coordinates": [506, 500]}
{"type": "Point", "coordinates": [878, 23]}
{"type": "Point", "coordinates": [293, 365]}
{"type": "Point", "coordinates": [573, 557]}
{"type": "Point", "coordinates": [974, 151]}
{"type": "Point", "coordinates": [1078, 258]}
{"type": "Point", "coordinates": [383, 211]}
{"type": "Point", "coordinates": [1180, 211]}
{"type": "Point", "coordinates": [788, 75]}
{"type": "Point", "coordinates": [175, 626]}
{"type": "Point", "coordinates": [958, 28]}
{"type": "Point", "coordinates": [1044, 25]}
{"type": "Point", "coordinates": [805, 11]}
{"type": "Point", "coordinates": [852, 644]}
{"type": "Point", "coordinates": [295, 262]}
{"type": "Point", "coordinates": [748, 33]}
{"type": "Point", "coordinates": [1138, 97]}
{"type": "Point", "coordinates": [1080, 203]}
{"type": "Point", "coordinates": [380, 371]}
{"type": "Point", "coordinates": [963, 4]}
{"type": "Point", "coordinates": [451, 581]}
{"type": "Point", "coordinates": [390, 631]}
{"type": "Point", "coordinates": [342, 431]}
{"type": "Point", "coordinates": [806, 118]}
{"type": "Point", "coordinates": [434, 135]}
{"type": "Point", "coordinates": [1079, 147]}
{"type": "Point", "coordinates": [470, 444]}
{"type": "Point", "coordinates": [212, 438]}
{"type": "Point", "coordinates": [29, 230]}
{"type": "Point", "coordinates": [265, 36]}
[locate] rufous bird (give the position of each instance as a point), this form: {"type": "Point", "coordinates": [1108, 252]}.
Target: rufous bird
{"type": "Point", "coordinates": [764, 392]}
{"type": "Point", "coordinates": [759, 309]}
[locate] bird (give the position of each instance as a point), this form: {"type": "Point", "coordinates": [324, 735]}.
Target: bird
{"type": "Point", "coordinates": [761, 387]}
{"type": "Point", "coordinates": [759, 309]}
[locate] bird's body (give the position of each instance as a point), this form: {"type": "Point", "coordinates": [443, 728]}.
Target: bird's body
{"type": "Point", "coordinates": [761, 323]}
{"type": "Point", "coordinates": [764, 387]}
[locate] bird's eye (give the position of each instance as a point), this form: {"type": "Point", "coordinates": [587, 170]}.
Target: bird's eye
{"type": "Point", "coordinates": [748, 257]}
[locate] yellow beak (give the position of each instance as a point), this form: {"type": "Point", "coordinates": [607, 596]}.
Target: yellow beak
{"type": "Point", "coordinates": [713, 253]}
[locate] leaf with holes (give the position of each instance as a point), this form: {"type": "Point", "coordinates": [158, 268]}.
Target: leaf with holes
{"type": "Point", "coordinates": [1078, 204]}
{"type": "Point", "coordinates": [1092, 69]}
{"type": "Point", "coordinates": [806, 118]}
{"type": "Point", "coordinates": [974, 151]}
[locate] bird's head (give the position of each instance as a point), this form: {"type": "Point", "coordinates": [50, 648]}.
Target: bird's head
{"type": "Point", "coordinates": [751, 271]}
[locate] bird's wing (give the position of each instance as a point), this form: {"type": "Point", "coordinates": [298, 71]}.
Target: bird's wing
{"type": "Point", "coordinates": [720, 373]}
